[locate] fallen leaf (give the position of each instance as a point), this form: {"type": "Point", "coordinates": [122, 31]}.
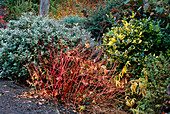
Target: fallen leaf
{"type": "Point", "coordinates": [42, 100]}
{"type": "Point", "coordinates": [36, 96]}
{"type": "Point", "coordinates": [39, 103]}
{"type": "Point", "coordinates": [2, 21]}
{"type": "Point", "coordinates": [27, 101]}
{"type": "Point", "coordinates": [30, 97]}
{"type": "Point", "coordinates": [15, 96]}
{"type": "Point", "coordinates": [74, 110]}
{"type": "Point", "coordinates": [5, 86]}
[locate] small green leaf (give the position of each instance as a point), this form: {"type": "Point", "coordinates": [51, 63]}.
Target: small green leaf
{"type": "Point", "coordinates": [161, 10]}
{"type": "Point", "coordinates": [139, 8]}
{"type": "Point", "coordinates": [126, 1]}
{"type": "Point", "coordinates": [87, 103]}
{"type": "Point", "coordinates": [157, 28]}
{"type": "Point", "coordinates": [167, 26]}
{"type": "Point", "coordinates": [158, 105]}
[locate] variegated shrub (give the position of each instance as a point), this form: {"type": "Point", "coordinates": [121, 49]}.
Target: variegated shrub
{"type": "Point", "coordinates": [133, 39]}
{"type": "Point", "coordinates": [20, 40]}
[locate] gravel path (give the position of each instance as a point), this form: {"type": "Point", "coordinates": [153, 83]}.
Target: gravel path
{"type": "Point", "coordinates": [11, 104]}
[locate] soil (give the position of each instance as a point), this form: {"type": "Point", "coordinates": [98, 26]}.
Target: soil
{"type": "Point", "coordinates": [11, 103]}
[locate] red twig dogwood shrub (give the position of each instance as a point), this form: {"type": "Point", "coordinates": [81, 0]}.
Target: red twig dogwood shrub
{"type": "Point", "coordinates": [75, 76]}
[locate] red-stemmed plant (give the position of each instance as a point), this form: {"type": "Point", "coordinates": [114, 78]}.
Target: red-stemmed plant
{"type": "Point", "coordinates": [77, 76]}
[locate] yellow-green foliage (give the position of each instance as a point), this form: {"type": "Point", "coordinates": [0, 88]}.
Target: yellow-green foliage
{"type": "Point", "coordinates": [132, 39]}
{"type": "Point", "coordinates": [153, 84]}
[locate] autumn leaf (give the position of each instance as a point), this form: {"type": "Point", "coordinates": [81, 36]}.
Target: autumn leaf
{"type": "Point", "coordinates": [27, 101]}
{"type": "Point", "coordinates": [5, 86]}
{"type": "Point", "coordinates": [1, 17]}
{"type": "Point", "coordinates": [2, 21]}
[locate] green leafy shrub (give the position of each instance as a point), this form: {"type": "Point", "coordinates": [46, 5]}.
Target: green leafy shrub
{"type": "Point", "coordinates": [97, 20]}
{"type": "Point", "coordinates": [71, 20]}
{"type": "Point", "coordinates": [74, 77]}
{"type": "Point", "coordinates": [21, 37]}
{"type": "Point", "coordinates": [156, 73]}
{"type": "Point", "coordinates": [134, 39]}
{"type": "Point", "coordinates": [156, 9]}
{"type": "Point", "coordinates": [15, 8]}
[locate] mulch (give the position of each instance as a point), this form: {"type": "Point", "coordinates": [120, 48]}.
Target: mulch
{"type": "Point", "coordinates": [11, 103]}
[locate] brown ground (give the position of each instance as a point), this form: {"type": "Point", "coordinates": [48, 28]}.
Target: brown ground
{"type": "Point", "coordinates": [10, 103]}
